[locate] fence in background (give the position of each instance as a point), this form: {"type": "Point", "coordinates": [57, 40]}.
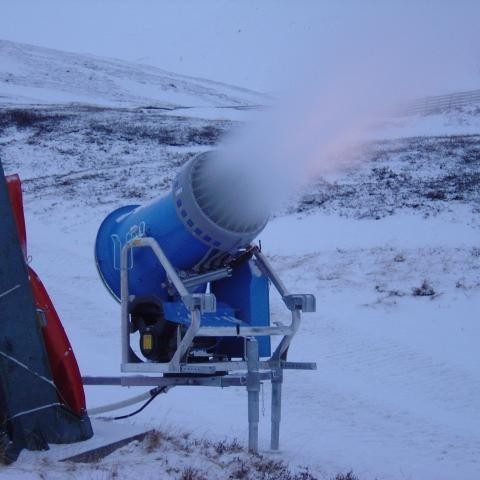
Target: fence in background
{"type": "Point", "coordinates": [439, 103]}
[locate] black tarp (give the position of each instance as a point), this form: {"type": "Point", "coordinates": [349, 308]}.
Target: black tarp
{"type": "Point", "coordinates": [30, 410]}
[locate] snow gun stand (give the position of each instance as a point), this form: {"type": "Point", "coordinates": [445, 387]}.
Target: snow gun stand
{"type": "Point", "coordinates": [220, 338]}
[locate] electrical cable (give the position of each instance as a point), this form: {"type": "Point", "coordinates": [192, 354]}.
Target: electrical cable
{"type": "Point", "coordinates": [148, 396]}
{"type": "Point", "coordinates": [145, 405]}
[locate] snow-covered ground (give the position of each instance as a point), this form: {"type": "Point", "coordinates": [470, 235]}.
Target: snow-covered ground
{"type": "Point", "coordinates": [390, 247]}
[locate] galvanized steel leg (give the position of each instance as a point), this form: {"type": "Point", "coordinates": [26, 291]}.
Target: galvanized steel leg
{"type": "Point", "coordinates": [253, 389]}
{"type": "Point", "coordinates": [277, 380]}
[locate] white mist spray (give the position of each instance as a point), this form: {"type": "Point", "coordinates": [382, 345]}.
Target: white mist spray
{"type": "Point", "coordinates": [339, 92]}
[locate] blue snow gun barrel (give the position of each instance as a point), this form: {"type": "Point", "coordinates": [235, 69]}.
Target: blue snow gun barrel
{"type": "Point", "coordinates": [204, 227]}
{"type": "Point", "coordinates": [201, 234]}
{"type": "Point", "coordinates": [201, 218]}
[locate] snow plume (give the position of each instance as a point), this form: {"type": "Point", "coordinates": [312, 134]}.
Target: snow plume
{"type": "Point", "coordinates": [341, 88]}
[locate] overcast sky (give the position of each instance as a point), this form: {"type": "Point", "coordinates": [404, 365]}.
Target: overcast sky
{"type": "Point", "coordinates": [264, 45]}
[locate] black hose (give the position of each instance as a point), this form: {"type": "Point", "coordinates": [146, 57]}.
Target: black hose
{"type": "Point", "coordinates": [154, 392]}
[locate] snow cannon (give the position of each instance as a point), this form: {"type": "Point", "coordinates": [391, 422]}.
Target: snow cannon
{"type": "Point", "coordinates": [198, 225]}
{"type": "Point", "coordinates": [188, 251]}
{"type": "Point", "coordinates": [195, 291]}
{"type": "Point", "coordinates": [203, 229]}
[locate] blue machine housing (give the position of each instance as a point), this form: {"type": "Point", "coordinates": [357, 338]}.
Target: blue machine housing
{"type": "Point", "coordinates": [247, 291]}
{"type": "Point", "coordinates": [242, 299]}
{"type": "Point", "coordinates": [189, 235]}
{"type": "Point", "coordinates": [158, 219]}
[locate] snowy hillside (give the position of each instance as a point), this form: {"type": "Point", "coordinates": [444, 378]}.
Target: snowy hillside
{"type": "Point", "coordinates": [390, 248]}
{"type": "Point", "coordinates": [30, 74]}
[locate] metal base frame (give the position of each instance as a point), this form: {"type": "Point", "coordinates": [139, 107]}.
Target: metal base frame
{"type": "Point", "coordinates": [249, 372]}
{"type": "Point", "coordinates": [251, 379]}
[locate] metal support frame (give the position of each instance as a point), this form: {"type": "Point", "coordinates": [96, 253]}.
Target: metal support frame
{"type": "Point", "coordinates": [249, 372]}
{"type": "Point", "coordinates": [253, 390]}
{"type": "Point", "coordinates": [276, 410]}
{"type": "Point", "coordinates": [205, 302]}
{"type": "Point", "coordinates": [252, 378]}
